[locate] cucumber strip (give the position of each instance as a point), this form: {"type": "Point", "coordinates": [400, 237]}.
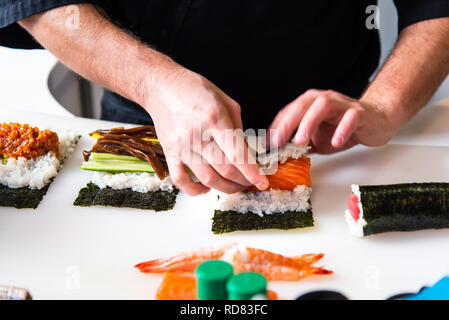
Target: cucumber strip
{"type": "Point", "coordinates": [117, 166]}
{"type": "Point", "coordinates": [109, 156]}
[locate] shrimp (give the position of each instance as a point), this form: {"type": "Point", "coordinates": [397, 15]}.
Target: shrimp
{"type": "Point", "coordinates": [274, 267]}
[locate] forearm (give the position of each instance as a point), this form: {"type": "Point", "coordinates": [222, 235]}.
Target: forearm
{"type": "Point", "coordinates": [99, 51]}
{"type": "Point", "coordinates": [416, 68]}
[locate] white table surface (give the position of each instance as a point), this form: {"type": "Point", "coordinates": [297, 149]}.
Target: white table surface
{"type": "Point", "coordinates": [23, 81]}
{"type": "Point", "coordinates": [65, 252]}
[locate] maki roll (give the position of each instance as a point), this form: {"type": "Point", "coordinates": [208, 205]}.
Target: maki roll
{"type": "Point", "coordinates": [285, 205]}
{"type": "Point", "coordinates": [29, 160]}
{"type": "Point", "coordinates": [130, 170]}
{"type": "Point", "coordinates": [403, 207]}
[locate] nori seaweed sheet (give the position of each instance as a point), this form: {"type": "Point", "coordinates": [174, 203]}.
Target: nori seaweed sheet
{"type": "Point", "coordinates": [231, 221]}
{"type": "Point", "coordinates": [22, 198]}
{"type": "Point", "coordinates": [405, 207]}
{"type": "Point", "coordinates": [26, 198]}
{"type": "Point", "coordinates": [92, 195]}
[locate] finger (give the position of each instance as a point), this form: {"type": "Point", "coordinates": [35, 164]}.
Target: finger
{"type": "Point", "coordinates": [182, 180]}
{"type": "Point", "coordinates": [323, 107]}
{"type": "Point", "coordinates": [235, 114]}
{"type": "Point", "coordinates": [210, 178]}
{"type": "Point", "coordinates": [288, 120]}
{"type": "Point", "coordinates": [234, 146]}
{"type": "Point", "coordinates": [347, 126]}
{"type": "Point", "coordinates": [217, 159]}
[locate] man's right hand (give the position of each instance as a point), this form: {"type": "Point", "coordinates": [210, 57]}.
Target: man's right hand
{"type": "Point", "coordinates": [185, 108]}
{"type": "Point", "coordinates": [179, 101]}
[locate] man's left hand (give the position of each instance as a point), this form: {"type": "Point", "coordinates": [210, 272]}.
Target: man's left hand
{"type": "Point", "coordinates": [331, 122]}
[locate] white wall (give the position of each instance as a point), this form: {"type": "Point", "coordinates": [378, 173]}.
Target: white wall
{"type": "Point", "coordinates": [388, 31]}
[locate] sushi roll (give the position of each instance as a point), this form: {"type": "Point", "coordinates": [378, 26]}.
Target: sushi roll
{"type": "Point", "coordinates": [285, 205]}
{"type": "Point", "coordinates": [29, 160]}
{"type": "Point", "coordinates": [130, 171]}
{"type": "Point", "coordinates": [403, 207]}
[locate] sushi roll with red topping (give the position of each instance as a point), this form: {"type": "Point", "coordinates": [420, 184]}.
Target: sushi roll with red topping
{"type": "Point", "coordinates": [403, 207]}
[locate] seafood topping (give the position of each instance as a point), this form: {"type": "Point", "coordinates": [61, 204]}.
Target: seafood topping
{"type": "Point", "coordinates": [289, 175]}
{"type": "Point", "coordinates": [182, 286]}
{"type": "Point", "coordinates": [140, 142]}
{"type": "Point", "coordinates": [274, 267]}
{"type": "Point", "coordinates": [23, 141]}
{"type": "Point", "coordinates": [353, 205]}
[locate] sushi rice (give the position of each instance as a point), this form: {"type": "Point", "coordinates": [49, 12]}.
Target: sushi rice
{"type": "Point", "coordinates": [267, 202]}
{"type": "Point", "coordinates": [356, 228]}
{"type": "Point", "coordinates": [37, 173]}
{"type": "Point", "coordinates": [138, 182]}
{"type": "Point", "coordinates": [270, 161]}
{"type": "Point", "coordinates": [271, 201]}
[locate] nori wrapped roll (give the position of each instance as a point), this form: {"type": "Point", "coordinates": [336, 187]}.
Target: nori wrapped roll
{"type": "Point", "coordinates": [402, 207]}
{"type": "Point", "coordinates": [230, 221]}
{"type": "Point", "coordinates": [92, 195]}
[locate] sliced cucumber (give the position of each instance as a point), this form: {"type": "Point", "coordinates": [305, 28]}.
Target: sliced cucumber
{"type": "Point", "coordinates": [117, 166]}
{"type": "Point", "coordinates": [108, 156]}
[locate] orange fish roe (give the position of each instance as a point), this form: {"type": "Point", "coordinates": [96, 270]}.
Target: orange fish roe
{"type": "Point", "coordinates": [18, 140]}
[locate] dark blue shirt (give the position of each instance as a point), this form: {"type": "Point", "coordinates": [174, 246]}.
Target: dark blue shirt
{"type": "Point", "coordinates": [262, 53]}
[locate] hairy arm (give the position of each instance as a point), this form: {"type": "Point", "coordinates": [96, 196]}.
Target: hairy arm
{"type": "Point", "coordinates": [414, 71]}
{"type": "Point", "coordinates": [331, 121]}
{"type": "Point", "coordinates": [178, 100]}
{"type": "Point", "coordinates": [97, 50]}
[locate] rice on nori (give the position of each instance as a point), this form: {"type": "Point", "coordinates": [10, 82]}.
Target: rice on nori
{"type": "Point", "coordinates": [31, 159]}
{"type": "Point", "coordinates": [403, 207]}
{"type": "Point", "coordinates": [286, 205]}
{"type": "Point", "coordinates": [130, 170]}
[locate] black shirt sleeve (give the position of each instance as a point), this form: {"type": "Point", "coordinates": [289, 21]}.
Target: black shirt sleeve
{"type": "Point", "coordinates": [11, 11]}
{"type": "Point", "coordinates": [414, 11]}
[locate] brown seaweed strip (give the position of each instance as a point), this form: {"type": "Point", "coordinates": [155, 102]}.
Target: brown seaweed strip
{"type": "Point", "coordinates": [138, 132]}
{"type": "Point", "coordinates": [123, 141]}
{"type": "Point", "coordinates": [138, 150]}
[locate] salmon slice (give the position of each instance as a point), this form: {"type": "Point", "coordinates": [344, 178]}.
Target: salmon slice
{"type": "Point", "coordinates": [292, 173]}
{"type": "Point", "coordinates": [183, 286]}
{"type": "Point", "coordinates": [177, 286]}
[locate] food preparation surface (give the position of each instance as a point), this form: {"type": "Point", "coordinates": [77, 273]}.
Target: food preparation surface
{"type": "Point", "coordinates": [64, 252]}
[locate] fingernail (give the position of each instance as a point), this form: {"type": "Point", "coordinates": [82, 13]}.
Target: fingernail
{"type": "Point", "coordinates": [263, 185]}
{"type": "Point", "coordinates": [338, 142]}
{"type": "Point", "coordinates": [301, 138]}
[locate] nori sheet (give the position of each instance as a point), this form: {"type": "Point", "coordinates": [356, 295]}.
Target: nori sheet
{"type": "Point", "coordinates": [22, 198]}
{"type": "Point", "coordinates": [26, 198]}
{"type": "Point", "coordinates": [92, 195]}
{"type": "Point", "coordinates": [405, 207]}
{"type": "Point", "coordinates": [231, 221]}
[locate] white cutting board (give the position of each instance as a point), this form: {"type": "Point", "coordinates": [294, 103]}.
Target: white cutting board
{"type": "Point", "coordinates": [63, 252]}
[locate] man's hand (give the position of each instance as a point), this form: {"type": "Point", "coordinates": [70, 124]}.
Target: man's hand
{"type": "Point", "coordinates": [186, 107]}
{"type": "Point", "coordinates": [178, 100]}
{"type": "Point", "coordinates": [330, 121]}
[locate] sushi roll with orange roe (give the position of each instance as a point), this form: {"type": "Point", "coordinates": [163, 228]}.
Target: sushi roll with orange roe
{"type": "Point", "coordinates": [30, 160]}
